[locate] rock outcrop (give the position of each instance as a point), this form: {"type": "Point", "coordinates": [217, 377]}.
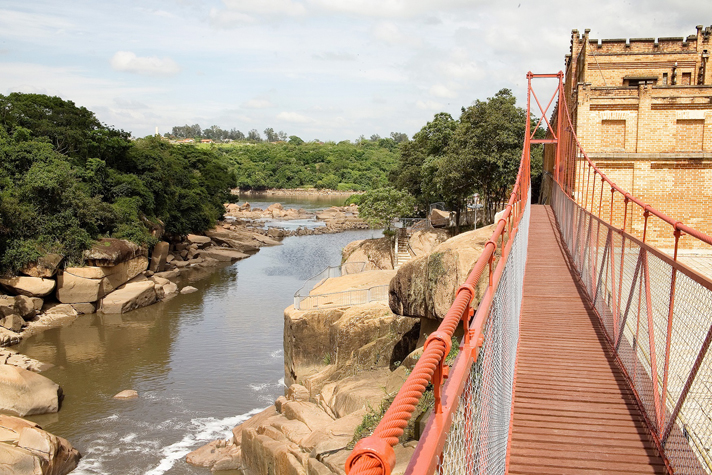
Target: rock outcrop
{"type": "Point", "coordinates": [325, 345]}
{"type": "Point", "coordinates": [46, 266]}
{"type": "Point", "coordinates": [423, 242]}
{"type": "Point", "coordinates": [377, 254]}
{"type": "Point", "coordinates": [109, 252]}
{"type": "Point", "coordinates": [23, 392]}
{"type": "Point", "coordinates": [130, 297]}
{"type": "Point", "coordinates": [426, 286]}
{"type": "Point", "coordinates": [26, 449]}
{"type": "Point", "coordinates": [299, 435]}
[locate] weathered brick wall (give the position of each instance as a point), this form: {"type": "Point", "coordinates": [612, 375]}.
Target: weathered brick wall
{"type": "Point", "coordinates": [654, 139]}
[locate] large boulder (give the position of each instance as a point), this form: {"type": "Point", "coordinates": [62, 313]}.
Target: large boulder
{"type": "Point", "coordinates": [159, 256]}
{"type": "Point", "coordinates": [108, 252]}
{"type": "Point", "coordinates": [324, 345]}
{"type": "Point", "coordinates": [376, 253]}
{"type": "Point", "coordinates": [29, 286]}
{"type": "Point", "coordinates": [130, 297]}
{"type": "Point", "coordinates": [439, 219]}
{"type": "Point", "coordinates": [426, 285]}
{"type": "Point", "coordinates": [423, 242]}
{"type": "Point", "coordinates": [23, 392]}
{"type": "Point", "coordinates": [12, 322]}
{"type": "Point", "coordinates": [73, 288]}
{"type": "Point", "coordinates": [46, 266]}
{"type": "Point", "coordinates": [89, 284]}
{"type": "Point", "coordinates": [26, 449]}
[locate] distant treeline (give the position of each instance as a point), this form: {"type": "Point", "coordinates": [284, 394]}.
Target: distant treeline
{"type": "Point", "coordinates": [218, 134]}
{"type": "Point", "coordinates": [338, 166]}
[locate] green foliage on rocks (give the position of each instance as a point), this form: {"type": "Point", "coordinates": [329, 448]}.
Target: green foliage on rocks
{"type": "Point", "coordinates": [66, 180]}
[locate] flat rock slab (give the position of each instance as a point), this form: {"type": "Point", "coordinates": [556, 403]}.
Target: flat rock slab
{"type": "Point", "coordinates": [131, 297]}
{"type": "Point", "coordinates": [29, 286]}
{"type": "Point", "coordinates": [188, 289]}
{"type": "Point", "coordinates": [225, 255]}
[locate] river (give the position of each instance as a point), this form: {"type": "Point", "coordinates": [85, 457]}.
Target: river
{"type": "Point", "coordinates": [201, 362]}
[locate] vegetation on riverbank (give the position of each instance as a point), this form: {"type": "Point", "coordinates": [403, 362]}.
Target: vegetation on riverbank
{"type": "Point", "coordinates": [338, 166]}
{"type": "Point", "coordinates": [66, 180]}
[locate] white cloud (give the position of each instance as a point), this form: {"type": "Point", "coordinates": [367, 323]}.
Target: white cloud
{"type": "Point", "coordinates": [31, 26]}
{"type": "Point", "coordinates": [429, 105]}
{"type": "Point", "coordinates": [229, 19]}
{"type": "Point", "coordinates": [237, 12]}
{"type": "Point", "coordinates": [392, 8]}
{"type": "Point", "coordinates": [294, 117]}
{"type": "Point", "coordinates": [150, 66]}
{"type": "Point", "coordinates": [335, 56]}
{"type": "Point", "coordinates": [389, 32]}
{"type": "Point", "coordinates": [439, 90]}
{"type": "Point", "coordinates": [257, 104]}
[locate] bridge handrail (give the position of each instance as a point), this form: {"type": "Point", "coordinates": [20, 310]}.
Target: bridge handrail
{"type": "Point", "coordinates": [374, 455]}
{"type": "Point", "coordinates": [668, 364]}
{"type": "Point", "coordinates": [678, 226]}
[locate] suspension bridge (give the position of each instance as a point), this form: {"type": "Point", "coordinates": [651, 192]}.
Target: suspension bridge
{"type": "Point", "coordinates": [588, 353]}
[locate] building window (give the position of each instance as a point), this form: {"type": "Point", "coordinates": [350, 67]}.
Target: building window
{"type": "Point", "coordinates": [637, 81]}
{"type": "Point", "coordinates": [665, 79]}
{"type": "Point", "coordinates": [689, 135]}
{"type": "Point", "coordinates": [686, 79]}
{"type": "Point", "coordinates": [613, 135]}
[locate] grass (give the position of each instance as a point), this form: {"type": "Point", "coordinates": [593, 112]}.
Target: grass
{"type": "Point", "coordinates": [374, 415]}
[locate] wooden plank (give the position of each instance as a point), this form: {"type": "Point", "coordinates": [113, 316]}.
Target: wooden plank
{"type": "Point", "coordinates": [573, 409]}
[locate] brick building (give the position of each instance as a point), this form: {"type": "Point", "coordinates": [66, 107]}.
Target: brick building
{"type": "Point", "coordinates": [642, 108]}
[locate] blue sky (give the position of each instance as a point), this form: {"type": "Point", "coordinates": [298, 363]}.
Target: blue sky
{"type": "Point", "coordinates": [319, 69]}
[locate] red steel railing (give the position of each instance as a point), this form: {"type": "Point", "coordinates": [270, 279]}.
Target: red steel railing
{"type": "Point", "coordinates": [656, 310]}
{"type": "Point", "coordinates": [374, 455]}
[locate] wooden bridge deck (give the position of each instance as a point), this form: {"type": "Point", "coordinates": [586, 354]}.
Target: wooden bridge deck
{"type": "Point", "coordinates": [573, 410]}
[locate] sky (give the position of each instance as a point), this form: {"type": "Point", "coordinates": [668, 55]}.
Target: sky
{"type": "Point", "coordinates": [318, 69]}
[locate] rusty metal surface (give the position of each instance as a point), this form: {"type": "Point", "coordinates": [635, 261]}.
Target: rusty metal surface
{"type": "Point", "coordinates": [573, 409]}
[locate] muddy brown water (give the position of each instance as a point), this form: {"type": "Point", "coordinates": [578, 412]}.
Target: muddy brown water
{"type": "Point", "coordinates": [201, 362]}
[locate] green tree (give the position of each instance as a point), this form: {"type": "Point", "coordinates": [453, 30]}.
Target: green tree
{"type": "Point", "coordinates": [486, 148]}
{"type": "Point", "coordinates": [381, 206]}
{"type": "Point", "coordinates": [418, 160]}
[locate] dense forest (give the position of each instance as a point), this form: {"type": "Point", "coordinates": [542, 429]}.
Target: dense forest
{"type": "Point", "coordinates": [66, 180]}
{"type": "Point", "coordinates": [338, 166]}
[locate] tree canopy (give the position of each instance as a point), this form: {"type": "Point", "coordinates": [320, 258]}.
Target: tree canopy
{"type": "Point", "coordinates": [449, 160]}
{"type": "Point", "coordinates": [66, 180]}
{"type": "Point", "coordinates": [381, 206]}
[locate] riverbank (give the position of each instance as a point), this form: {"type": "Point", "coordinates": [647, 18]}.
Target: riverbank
{"type": "Point", "coordinates": [200, 362]}
{"type": "Point", "coordinates": [186, 268]}
{"type": "Point", "coordinates": [303, 192]}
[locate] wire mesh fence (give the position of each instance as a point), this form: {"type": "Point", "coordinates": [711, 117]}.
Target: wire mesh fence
{"type": "Point", "coordinates": [328, 273]}
{"type": "Point", "coordinates": [346, 298]}
{"type": "Point", "coordinates": [657, 313]}
{"type": "Point", "coordinates": [477, 439]}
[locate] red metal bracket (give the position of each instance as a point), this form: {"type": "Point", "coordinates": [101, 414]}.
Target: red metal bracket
{"type": "Point", "coordinates": [442, 370]}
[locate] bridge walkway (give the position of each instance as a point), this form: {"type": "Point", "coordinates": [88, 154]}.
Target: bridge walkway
{"type": "Point", "coordinates": [573, 409]}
